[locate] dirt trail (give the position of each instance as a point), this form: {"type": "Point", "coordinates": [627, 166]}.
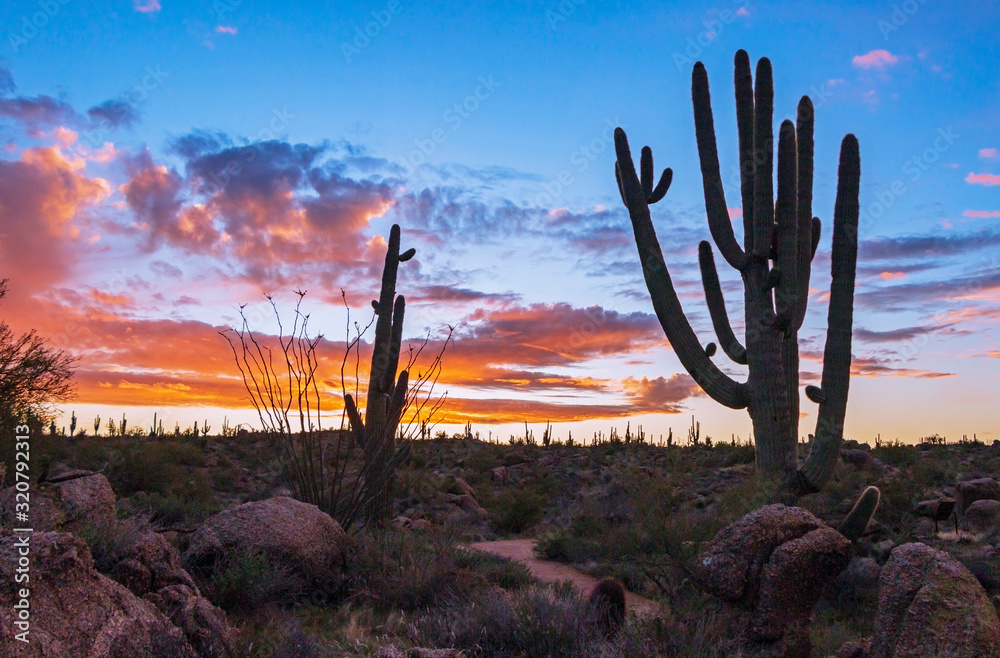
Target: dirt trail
{"type": "Point", "coordinates": [522, 550]}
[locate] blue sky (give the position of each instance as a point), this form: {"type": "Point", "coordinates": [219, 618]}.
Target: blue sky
{"type": "Point", "coordinates": [484, 130]}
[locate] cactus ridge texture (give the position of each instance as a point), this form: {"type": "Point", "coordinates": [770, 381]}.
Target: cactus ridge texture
{"type": "Point", "coordinates": [376, 434]}
{"type": "Point", "coordinates": [780, 236]}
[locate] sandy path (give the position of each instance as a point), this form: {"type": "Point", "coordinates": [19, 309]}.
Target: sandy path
{"type": "Point", "coordinates": [522, 550]}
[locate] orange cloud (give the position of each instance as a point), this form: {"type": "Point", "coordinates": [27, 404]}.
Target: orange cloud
{"type": "Point", "coordinates": [44, 195]}
{"type": "Point", "coordinates": [892, 275]}
{"type": "Point", "coordinates": [875, 59]}
{"type": "Point", "coordinates": [988, 180]}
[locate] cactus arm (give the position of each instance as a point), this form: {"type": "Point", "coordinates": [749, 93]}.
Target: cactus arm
{"type": "Point", "coordinates": [785, 211]}
{"type": "Point", "coordinates": [743, 80]}
{"type": "Point", "coordinates": [840, 322]}
{"type": "Point", "coordinates": [763, 136]}
{"type": "Point", "coordinates": [357, 427]}
{"type": "Point", "coordinates": [708, 154]}
{"type": "Point", "coordinates": [804, 144]}
{"type": "Point", "coordinates": [395, 340]}
{"type": "Point", "coordinates": [857, 520]}
{"type": "Point", "coordinates": [717, 305]}
{"type": "Point", "coordinates": [668, 309]}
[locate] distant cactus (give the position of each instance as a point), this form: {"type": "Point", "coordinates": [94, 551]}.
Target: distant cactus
{"type": "Point", "coordinates": [97, 425]}
{"type": "Point", "coordinates": [607, 600]}
{"type": "Point", "coordinates": [196, 429]}
{"type": "Point", "coordinates": [123, 425]}
{"type": "Point", "coordinates": [112, 428]}
{"type": "Point", "coordinates": [857, 520]}
{"type": "Point", "coordinates": [152, 430]}
{"type": "Point", "coordinates": [779, 241]}
{"type": "Point", "coordinates": [72, 424]}
{"type": "Point", "coordinates": [205, 428]}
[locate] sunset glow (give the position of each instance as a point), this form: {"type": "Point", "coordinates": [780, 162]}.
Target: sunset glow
{"type": "Point", "coordinates": [165, 163]}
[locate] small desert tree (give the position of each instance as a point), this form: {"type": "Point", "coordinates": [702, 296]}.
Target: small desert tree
{"type": "Point", "coordinates": [32, 378]}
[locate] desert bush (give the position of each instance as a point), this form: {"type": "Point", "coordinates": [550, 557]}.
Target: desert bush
{"type": "Point", "coordinates": [169, 509]}
{"type": "Point", "coordinates": [398, 570]}
{"type": "Point", "coordinates": [110, 543]}
{"type": "Point", "coordinates": [534, 621]}
{"type": "Point", "coordinates": [515, 509]}
{"type": "Point", "coordinates": [244, 581]}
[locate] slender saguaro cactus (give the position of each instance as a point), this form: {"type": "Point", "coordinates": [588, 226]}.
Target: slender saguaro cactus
{"type": "Point", "coordinates": [779, 242]}
{"type": "Point", "coordinates": [386, 394]}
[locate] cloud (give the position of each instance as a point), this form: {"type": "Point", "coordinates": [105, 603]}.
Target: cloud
{"type": "Point", "coordinates": [921, 246]}
{"type": "Point", "coordinates": [875, 59]}
{"type": "Point", "coordinates": [147, 6]}
{"type": "Point", "coordinates": [898, 335]}
{"type": "Point", "coordinates": [38, 112]}
{"type": "Point", "coordinates": [988, 180]}
{"type": "Point", "coordinates": [660, 394]}
{"type": "Point", "coordinates": [225, 29]}
{"type": "Point", "coordinates": [43, 196]}
{"type": "Point", "coordinates": [989, 154]}
{"type": "Point", "coordinates": [113, 114]}
{"type": "Point", "coordinates": [982, 214]}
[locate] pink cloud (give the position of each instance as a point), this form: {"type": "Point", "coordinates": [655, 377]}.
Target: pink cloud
{"type": "Point", "coordinates": [989, 154]}
{"type": "Point", "coordinates": [742, 11]}
{"type": "Point", "coordinates": [225, 29]}
{"type": "Point", "coordinates": [734, 213]}
{"type": "Point", "coordinates": [988, 180]}
{"type": "Point", "coordinates": [982, 214]}
{"type": "Point", "coordinates": [147, 6]}
{"type": "Point", "coordinates": [875, 59]}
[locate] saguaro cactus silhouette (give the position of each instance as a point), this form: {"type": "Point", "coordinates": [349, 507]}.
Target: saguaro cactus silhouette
{"type": "Point", "coordinates": [779, 242]}
{"type": "Point", "coordinates": [386, 394]}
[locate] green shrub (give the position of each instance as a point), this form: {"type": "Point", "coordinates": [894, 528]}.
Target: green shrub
{"type": "Point", "coordinates": [245, 581]}
{"type": "Point", "coordinates": [515, 509]}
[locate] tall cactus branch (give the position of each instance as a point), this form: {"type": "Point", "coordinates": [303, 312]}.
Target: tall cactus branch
{"type": "Point", "coordinates": [717, 305]}
{"type": "Point", "coordinates": [780, 241]}
{"type": "Point", "coordinates": [668, 309]}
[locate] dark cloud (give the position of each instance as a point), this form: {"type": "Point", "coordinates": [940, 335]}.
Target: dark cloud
{"type": "Point", "coordinates": [114, 114]}
{"type": "Point", "coordinates": [38, 112]}
{"type": "Point", "coordinates": [899, 335]}
{"type": "Point", "coordinates": [922, 246]}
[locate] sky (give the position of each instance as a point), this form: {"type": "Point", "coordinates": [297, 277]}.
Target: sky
{"type": "Point", "coordinates": [165, 165]}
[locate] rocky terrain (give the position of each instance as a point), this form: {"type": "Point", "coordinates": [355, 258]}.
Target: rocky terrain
{"type": "Point", "coordinates": [182, 546]}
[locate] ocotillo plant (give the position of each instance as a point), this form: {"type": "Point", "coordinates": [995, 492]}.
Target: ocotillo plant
{"type": "Point", "coordinates": [386, 394]}
{"type": "Point", "coordinates": [779, 242]}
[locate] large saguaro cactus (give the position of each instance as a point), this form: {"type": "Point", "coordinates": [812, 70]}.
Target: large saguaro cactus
{"type": "Point", "coordinates": [386, 394]}
{"type": "Point", "coordinates": [779, 242]}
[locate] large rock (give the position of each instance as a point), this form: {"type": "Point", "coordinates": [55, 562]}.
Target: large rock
{"type": "Point", "coordinates": [151, 567]}
{"type": "Point", "coordinates": [775, 563]}
{"type": "Point", "coordinates": [930, 605]}
{"type": "Point", "coordinates": [76, 611]}
{"type": "Point", "coordinates": [970, 491]}
{"type": "Point", "coordinates": [984, 516]}
{"type": "Point", "coordinates": [66, 506]}
{"type": "Point", "coordinates": [292, 534]}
